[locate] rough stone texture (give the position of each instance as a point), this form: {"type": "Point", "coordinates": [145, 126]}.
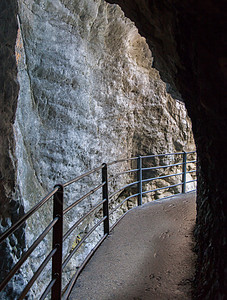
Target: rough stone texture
{"type": "Point", "coordinates": [10, 205]}
{"type": "Point", "coordinates": [188, 42]}
{"type": "Point", "coordinates": [88, 94]}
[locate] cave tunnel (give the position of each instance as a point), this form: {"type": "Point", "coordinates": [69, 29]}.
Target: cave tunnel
{"type": "Point", "coordinates": [187, 39]}
{"type": "Point", "coordinates": [189, 46]}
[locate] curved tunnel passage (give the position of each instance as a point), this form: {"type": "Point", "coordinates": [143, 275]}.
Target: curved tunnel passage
{"type": "Point", "coordinates": [187, 40]}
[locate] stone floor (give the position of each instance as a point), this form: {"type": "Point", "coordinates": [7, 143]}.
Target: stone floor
{"type": "Point", "coordinates": [147, 256]}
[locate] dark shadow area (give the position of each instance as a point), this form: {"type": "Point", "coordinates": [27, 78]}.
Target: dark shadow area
{"type": "Point", "coordinates": [188, 42]}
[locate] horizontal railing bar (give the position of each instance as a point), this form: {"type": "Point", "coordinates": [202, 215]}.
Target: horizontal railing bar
{"type": "Point", "coordinates": [162, 188]}
{"type": "Point", "coordinates": [82, 176]}
{"type": "Point", "coordinates": [27, 253]}
{"type": "Point", "coordinates": [160, 167]}
{"type": "Point", "coordinates": [121, 217]}
{"type": "Point", "coordinates": [117, 174]}
{"type": "Point", "coordinates": [75, 276]}
{"type": "Point", "coordinates": [81, 242]}
{"type": "Point", "coordinates": [124, 187]}
{"type": "Point", "coordinates": [125, 172]}
{"type": "Point", "coordinates": [48, 288]}
{"type": "Point", "coordinates": [121, 160]}
{"type": "Point", "coordinates": [160, 177]}
{"type": "Point", "coordinates": [193, 171]}
{"type": "Point", "coordinates": [37, 273]}
{"type": "Point", "coordinates": [81, 219]}
{"type": "Point", "coordinates": [190, 152]}
{"type": "Point", "coordinates": [27, 215]}
{"type": "Point", "coordinates": [83, 197]}
{"type": "Point", "coordinates": [191, 191]}
{"type": "Point", "coordinates": [150, 168]}
{"type": "Point", "coordinates": [191, 181]}
{"type": "Point", "coordinates": [111, 178]}
{"type": "Point", "coordinates": [149, 156]}
{"type": "Point", "coordinates": [168, 197]}
{"type": "Point", "coordinates": [158, 155]}
{"type": "Point", "coordinates": [191, 161]}
{"type": "Point", "coordinates": [115, 208]}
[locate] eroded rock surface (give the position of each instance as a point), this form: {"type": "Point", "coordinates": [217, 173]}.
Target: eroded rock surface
{"type": "Point", "coordinates": [11, 208]}
{"type": "Point", "coordinates": [88, 94]}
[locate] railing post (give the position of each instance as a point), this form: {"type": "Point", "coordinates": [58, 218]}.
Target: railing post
{"type": "Point", "coordinates": [184, 171]}
{"type": "Point", "coordinates": [105, 197]}
{"type": "Point", "coordinates": [139, 178]}
{"type": "Point", "coordinates": [57, 242]}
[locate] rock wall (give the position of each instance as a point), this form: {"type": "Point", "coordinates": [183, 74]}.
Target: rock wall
{"type": "Point", "coordinates": [189, 47]}
{"type": "Point", "coordinates": [88, 94]}
{"type": "Point", "coordinates": [11, 208]}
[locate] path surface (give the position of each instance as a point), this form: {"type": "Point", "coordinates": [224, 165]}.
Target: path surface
{"type": "Point", "coordinates": [148, 256]}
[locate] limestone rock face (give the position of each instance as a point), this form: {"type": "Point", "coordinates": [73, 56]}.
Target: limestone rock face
{"type": "Point", "coordinates": [92, 94]}
{"type": "Point", "coordinates": [88, 95]}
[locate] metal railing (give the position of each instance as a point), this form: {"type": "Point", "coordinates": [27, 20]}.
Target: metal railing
{"type": "Point", "coordinates": [54, 287]}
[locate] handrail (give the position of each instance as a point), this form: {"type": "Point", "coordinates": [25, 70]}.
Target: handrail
{"type": "Point", "coordinates": [82, 176]}
{"type": "Point", "coordinates": [123, 188]}
{"type": "Point", "coordinates": [75, 276]}
{"type": "Point", "coordinates": [161, 177]}
{"type": "Point", "coordinates": [81, 219]}
{"type": "Point", "coordinates": [82, 198]}
{"type": "Point", "coordinates": [37, 273]}
{"type": "Point", "coordinates": [162, 167]}
{"type": "Point", "coordinates": [191, 161]}
{"type": "Point", "coordinates": [81, 242]}
{"type": "Point", "coordinates": [56, 225]}
{"type": "Point", "coordinates": [121, 160]}
{"type": "Point", "coordinates": [48, 288]}
{"type": "Point", "coordinates": [192, 171]}
{"type": "Point", "coordinates": [122, 202]}
{"type": "Point", "coordinates": [164, 154]}
{"type": "Point", "coordinates": [27, 253]}
{"type": "Point", "coordinates": [27, 215]}
{"type": "Point", "coordinates": [162, 188]}
{"type": "Point", "coordinates": [127, 171]}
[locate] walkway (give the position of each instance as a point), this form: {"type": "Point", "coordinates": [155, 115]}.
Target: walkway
{"type": "Point", "coordinates": [148, 256]}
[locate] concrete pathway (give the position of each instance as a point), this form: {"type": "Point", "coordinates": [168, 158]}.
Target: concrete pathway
{"type": "Point", "coordinates": [148, 256]}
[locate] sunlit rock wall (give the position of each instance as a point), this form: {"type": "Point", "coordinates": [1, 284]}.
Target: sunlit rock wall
{"type": "Point", "coordinates": [88, 94]}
